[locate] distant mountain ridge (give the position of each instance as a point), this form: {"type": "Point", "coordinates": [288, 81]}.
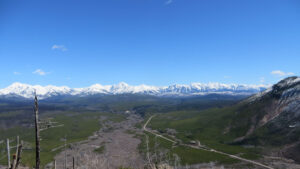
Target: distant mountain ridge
{"type": "Point", "coordinates": [27, 91]}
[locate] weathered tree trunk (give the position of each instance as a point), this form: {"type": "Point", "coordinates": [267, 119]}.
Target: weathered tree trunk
{"type": "Point", "coordinates": [8, 153]}
{"type": "Point", "coordinates": [14, 163]}
{"type": "Point", "coordinates": [65, 152]}
{"type": "Point", "coordinates": [19, 155]}
{"type": "Point", "coordinates": [37, 134]}
{"type": "Point", "coordinates": [73, 163]}
{"type": "Point", "coordinates": [16, 157]}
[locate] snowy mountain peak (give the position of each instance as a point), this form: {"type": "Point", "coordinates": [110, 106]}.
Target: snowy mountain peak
{"type": "Point", "coordinates": [27, 91]}
{"type": "Point", "coordinates": [290, 81]}
{"type": "Point", "coordinates": [287, 87]}
{"type": "Point", "coordinates": [122, 84]}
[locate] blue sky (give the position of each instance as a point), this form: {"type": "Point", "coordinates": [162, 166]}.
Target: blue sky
{"type": "Point", "coordinates": [155, 42]}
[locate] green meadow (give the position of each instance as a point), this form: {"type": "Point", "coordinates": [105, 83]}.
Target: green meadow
{"type": "Point", "coordinates": [207, 126]}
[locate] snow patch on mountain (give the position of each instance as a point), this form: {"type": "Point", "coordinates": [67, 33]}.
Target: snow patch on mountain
{"type": "Point", "coordinates": [290, 87]}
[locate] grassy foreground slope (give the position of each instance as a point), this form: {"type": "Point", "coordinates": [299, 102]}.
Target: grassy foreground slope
{"type": "Point", "coordinates": [208, 126]}
{"type": "Point", "coordinates": [187, 156]}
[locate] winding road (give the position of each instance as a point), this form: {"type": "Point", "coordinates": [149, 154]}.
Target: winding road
{"type": "Point", "coordinates": [205, 149]}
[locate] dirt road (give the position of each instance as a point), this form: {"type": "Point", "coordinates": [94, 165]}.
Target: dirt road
{"type": "Point", "coordinates": [209, 149]}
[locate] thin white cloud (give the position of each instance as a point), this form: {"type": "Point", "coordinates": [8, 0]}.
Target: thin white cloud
{"type": "Point", "coordinates": [17, 73]}
{"type": "Point", "coordinates": [227, 77]}
{"type": "Point", "coordinates": [281, 73]}
{"type": "Point", "coordinates": [39, 72]}
{"type": "Point", "coordinates": [59, 47]}
{"type": "Point", "coordinates": [168, 2]}
{"type": "Point", "coordinates": [262, 80]}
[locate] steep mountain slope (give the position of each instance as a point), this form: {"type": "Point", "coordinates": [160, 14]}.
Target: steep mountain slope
{"type": "Point", "coordinates": [279, 106]}
{"type": "Point", "coordinates": [270, 119]}
{"type": "Point", "coordinates": [27, 91]}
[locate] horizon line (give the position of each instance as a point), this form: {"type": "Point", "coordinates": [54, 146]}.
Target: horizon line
{"type": "Point", "coordinates": [122, 82]}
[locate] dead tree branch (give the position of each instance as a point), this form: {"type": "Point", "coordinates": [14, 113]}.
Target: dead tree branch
{"type": "Point", "coordinates": [37, 134]}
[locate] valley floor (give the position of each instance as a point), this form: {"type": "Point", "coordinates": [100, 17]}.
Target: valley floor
{"type": "Point", "coordinates": [118, 145]}
{"type": "Point", "coordinates": [111, 147]}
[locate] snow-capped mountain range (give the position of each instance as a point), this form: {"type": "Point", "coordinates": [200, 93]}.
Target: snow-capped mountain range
{"type": "Point", "coordinates": [27, 91]}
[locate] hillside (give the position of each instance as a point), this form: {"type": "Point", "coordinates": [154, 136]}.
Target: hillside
{"type": "Point", "coordinates": [272, 118]}
{"type": "Point", "coordinates": [269, 120]}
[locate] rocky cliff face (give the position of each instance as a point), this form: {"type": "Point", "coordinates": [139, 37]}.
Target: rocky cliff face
{"type": "Point", "coordinates": [272, 118]}
{"type": "Point", "coordinates": [284, 109]}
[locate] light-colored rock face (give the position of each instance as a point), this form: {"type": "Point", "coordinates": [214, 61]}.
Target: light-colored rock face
{"type": "Point", "coordinates": [272, 118]}
{"type": "Point", "coordinates": [278, 105]}
{"type": "Point", "coordinates": [287, 102]}
{"type": "Point", "coordinates": [27, 91]}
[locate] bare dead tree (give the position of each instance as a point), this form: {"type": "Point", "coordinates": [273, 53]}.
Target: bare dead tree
{"type": "Point", "coordinates": [19, 155]}
{"type": "Point", "coordinates": [148, 151]}
{"type": "Point", "coordinates": [40, 126]}
{"type": "Point", "coordinates": [37, 134]}
{"type": "Point", "coordinates": [212, 165]}
{"type": "Point", "coordinates": [1, 153]}
{"type": "Point", "coordinates": [8, 153]}
{"type": "Point", "coordinates": [73, 162]}
{"type": "Point", "coordinates": [176, 161]}
{"type": "Point", "coordinates": [48, 124]}
{"type": "Point", "coordinates": [160, 158]}
{"type": "Point", "coordinates": [54, 164]}
{"type": "Point", "coordinates": [155, 148]}
{"type": "Point", "coordinates": [16, 157]}
{"type": "Point", "coordinates": [65, 152]}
